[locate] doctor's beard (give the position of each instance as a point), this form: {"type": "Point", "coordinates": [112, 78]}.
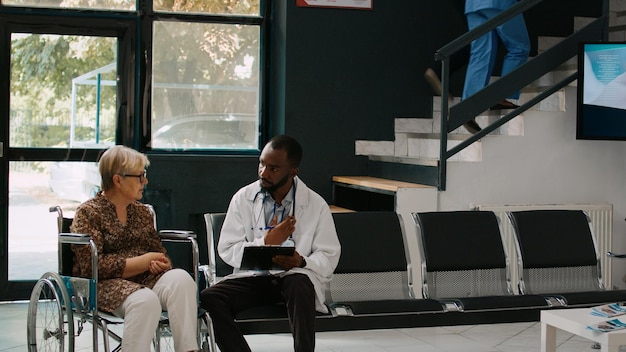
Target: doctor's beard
{"type": "Point", "coordinates": [273, 187]}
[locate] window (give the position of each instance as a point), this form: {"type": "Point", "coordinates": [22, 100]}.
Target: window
{"type": "Point", "coordinates": [210, 7]}
{"type": "Point", "coordinates": [202, 62]}
{"type": "Point", "coordinates": [63, 91]}
{"type": "Point", "coordinates": [127, 5]}
{"type": "Point", "coordinates": [87, 74]}
{"type": "Point", "coordinates": [205, 86]}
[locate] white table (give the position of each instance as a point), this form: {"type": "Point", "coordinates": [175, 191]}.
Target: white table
{"type": "Point", "coordinates": [575, 321]}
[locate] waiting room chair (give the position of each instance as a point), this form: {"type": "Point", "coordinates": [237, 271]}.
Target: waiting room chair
{"type": "Point", "coordinates": [374, 273]}
{"type": "Point", "coordinates": [558, 257]}
{"type": "Point", "coordinates": [464, 264]}
{"type": "Point", "coordinates": [273, 318]}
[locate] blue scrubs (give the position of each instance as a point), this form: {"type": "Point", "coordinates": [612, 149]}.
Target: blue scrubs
{"type": "Point", "coordinates": [513, 34]}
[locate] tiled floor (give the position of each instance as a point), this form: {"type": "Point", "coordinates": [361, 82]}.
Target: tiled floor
{"type": "Point", "coordinates": [516, 337]}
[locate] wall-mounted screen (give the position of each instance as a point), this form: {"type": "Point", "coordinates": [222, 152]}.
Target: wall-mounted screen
{"type": "Point", "coordinates": [601, 91]}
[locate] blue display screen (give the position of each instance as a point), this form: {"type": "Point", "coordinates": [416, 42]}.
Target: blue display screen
{"type": "Point", "coordinates": [601, 91]}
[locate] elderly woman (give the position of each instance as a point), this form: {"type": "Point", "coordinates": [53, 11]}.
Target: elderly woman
{"type": "Point", "coordinates": [136, 279]}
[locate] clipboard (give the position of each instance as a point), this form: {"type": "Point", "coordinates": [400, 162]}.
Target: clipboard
{"type": "Point", "coordinates": [260, 257]}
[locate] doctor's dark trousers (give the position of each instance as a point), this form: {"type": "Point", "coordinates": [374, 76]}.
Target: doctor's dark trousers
{"type": "Point", "coordinates": [227, 298]}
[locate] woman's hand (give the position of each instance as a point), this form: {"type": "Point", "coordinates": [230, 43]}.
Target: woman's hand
{"type": "Point", "coordinates": [154, 262]}
{"type": "Point", "coordinates": [160, 265]}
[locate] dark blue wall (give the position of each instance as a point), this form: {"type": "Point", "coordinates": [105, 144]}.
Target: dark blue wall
{"type": "Point", "coordinates": [335, 76]}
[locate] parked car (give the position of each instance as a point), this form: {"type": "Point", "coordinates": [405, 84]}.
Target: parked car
{"type": "Point", "coordinates": [77, 181]}
{"type": "Point", "coordinates": [208, 131]}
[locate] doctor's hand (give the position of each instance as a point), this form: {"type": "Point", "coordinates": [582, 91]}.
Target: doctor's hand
{"type": "Point", "coordinates": [289, 261]}
{"type": "Point", "coordinates": [278, 233]}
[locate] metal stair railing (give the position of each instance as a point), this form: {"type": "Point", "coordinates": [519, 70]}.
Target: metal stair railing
{"type": "Point", "coordinates": [456, 116]}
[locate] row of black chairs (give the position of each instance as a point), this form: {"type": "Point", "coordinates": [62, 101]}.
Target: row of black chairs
{"type": "Point", "coordinates": [464, 269]}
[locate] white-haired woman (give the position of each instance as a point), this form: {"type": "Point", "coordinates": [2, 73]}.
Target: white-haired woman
{"type": "Point", "coordinates": [136, 280]}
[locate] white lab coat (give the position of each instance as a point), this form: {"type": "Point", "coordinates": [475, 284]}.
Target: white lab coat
{"type": "Point", "coordinates": [315, 235]}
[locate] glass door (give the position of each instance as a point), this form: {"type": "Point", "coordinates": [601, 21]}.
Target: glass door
{"type": "Point", "coordinates": [65, 102]}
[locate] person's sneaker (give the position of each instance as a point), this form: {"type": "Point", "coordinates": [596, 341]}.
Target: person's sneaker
{"type": "Point", "coordinates": [504, 105]}
{"type": "Point", "coordinates": [433, 80]}
{"type": "Point", "coordinates": [472, 127]}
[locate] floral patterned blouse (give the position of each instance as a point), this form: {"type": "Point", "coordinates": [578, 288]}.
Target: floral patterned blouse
{"type": "Point", "coordinates": [115, 243]}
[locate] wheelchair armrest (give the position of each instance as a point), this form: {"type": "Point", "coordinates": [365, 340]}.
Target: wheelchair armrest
{"type": "Point", "coordinates": [74, 238]}
{"type": "Point", "coordinates": [207, 274]}
{"type": "Point", "coordinates": [176, 234]}
{"type": "Point", "coordinates": [614, 255]}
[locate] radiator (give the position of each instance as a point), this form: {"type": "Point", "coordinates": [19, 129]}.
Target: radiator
{"type": "Point", "coordinates": [602, 223]}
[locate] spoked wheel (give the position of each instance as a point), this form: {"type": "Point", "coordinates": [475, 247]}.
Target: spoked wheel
{"type": "Point", "coordinates": [163, 340]}
{"type": "Point", "coordinates": [207, 338]}
{"type": "Point", "coordinates": [49, 322]}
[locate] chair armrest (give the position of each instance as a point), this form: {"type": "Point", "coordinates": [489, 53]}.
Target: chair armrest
{"type": "Point", "coordinates": [207, 274]}
{"type": "Point", "coordinates": [176, 234]}
{"type": "Point", "coordinates": [74, 238]}
{"type": "Point", "coordinates": [613, 255]}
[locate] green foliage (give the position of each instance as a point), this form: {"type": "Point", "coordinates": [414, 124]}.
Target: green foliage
{"type": "Point", "coordinates": [246, 7]}
{"type": "Point", "coordinates": [40, 62]}
{"type": "Point", "coordinates": [42, 70]}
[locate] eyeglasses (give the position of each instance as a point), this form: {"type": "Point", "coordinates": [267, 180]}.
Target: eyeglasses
{"type": "Point", "coordinates": [143, 176]}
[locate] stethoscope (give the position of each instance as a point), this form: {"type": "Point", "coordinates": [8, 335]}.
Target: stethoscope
{"type": "Point", "coordinates": [259, 229]}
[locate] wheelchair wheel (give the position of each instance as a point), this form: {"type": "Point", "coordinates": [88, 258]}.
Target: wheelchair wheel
{"type": "Point", "coordinates": [207, 341]}
{"type": "Point", "coordinates": [163, 340]}
{"type": "Point", "coordinates": [49, 323]}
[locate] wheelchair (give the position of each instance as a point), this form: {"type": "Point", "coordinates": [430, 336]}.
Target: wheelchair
{"type": "Point", "coordinates": [61, 304]}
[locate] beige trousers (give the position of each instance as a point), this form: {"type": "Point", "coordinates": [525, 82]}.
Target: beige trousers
{"type": "Point", "coordinates": [177, 293]}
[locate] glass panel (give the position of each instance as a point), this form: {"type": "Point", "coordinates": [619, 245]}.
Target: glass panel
{"type": "Point", "coordinates": [214, 7]}
{"type": "Point", "coordinates": [34, 187]}
{"type": "Point", "coordinates": [63, 91]}
{"type": "Point", "coordinates": [205, 89]}
{"type": "Point", "coordinates": [128, 5]}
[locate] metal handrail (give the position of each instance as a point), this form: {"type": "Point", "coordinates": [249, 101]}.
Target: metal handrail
{"type": "Point", "coordinates": [525, 74]}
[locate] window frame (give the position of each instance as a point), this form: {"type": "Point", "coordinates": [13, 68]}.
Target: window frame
{"type": "Point", "coordinates": [133, 126]}
{"type": "Point", "coordinates": [146, 37]}
{"type": "Point", "coordinates": [134, 33]}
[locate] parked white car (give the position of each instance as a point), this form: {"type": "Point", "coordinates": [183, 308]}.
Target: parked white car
{"type": "Point", "coordinates": [77, 181]}
{"type": "Point", "coordinates": [208, 131]}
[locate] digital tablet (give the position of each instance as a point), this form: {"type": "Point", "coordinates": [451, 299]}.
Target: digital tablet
{"type": "Point", "coordinates": [260, 257]}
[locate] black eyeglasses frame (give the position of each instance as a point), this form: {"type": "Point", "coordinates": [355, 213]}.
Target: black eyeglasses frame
{"type": "Point", "coordinates": [143, 176]}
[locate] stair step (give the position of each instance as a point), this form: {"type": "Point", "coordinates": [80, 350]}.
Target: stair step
{"type": "Point", "coordinates": [617, 21]}
{"type": "Point", "coordinates": [555, 101]}
{"type": "Point", "coordinates": [546, 42]}
{"type": "Point", "coordinates": [375, 184]}
{"type": "Point", "coordinates": [434, 162]}
{"type": "Point", "coordinates": [374, 148]}
{"type": "Point", "coordinates": [580, 22]}
{"type": "Point", "coordinates": [369, 193]}
{"type": "Point", "coordinates": [514, 127]}
{"type": "Point", "coordinates": [419, 146]}
{"type": "Point", "coordinates": [429, 149]}
{"type": "Point", "coordinates": [417, 140]}
{"type": "Point", "coordinates": [338, 209]}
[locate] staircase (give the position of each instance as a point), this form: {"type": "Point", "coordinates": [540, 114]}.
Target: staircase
{"type": "Point", "coordinates": [417, 143]}
{"type": "Point", "coordinates": [415, 154]}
